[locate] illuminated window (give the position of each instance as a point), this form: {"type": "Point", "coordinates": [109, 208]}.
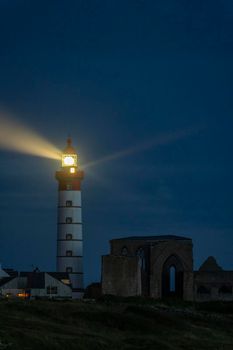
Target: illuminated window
{"type": "Point", "coordinates": [72, 170]}
{"type": "Point", "coordinates": [69, 236]}
{"type": "Point", "coordinates": [69, 220]}
{"type": "Point", "coordinates": [51, 290]}
{"type": "Point", "coordinates": [69, 269]}
{"type": "Point", "coordinates": [69, 160]}
{"type": "Point", "coordinates": [69, 203]}
{"type": "Point", "coordinates": [69, 253]}
{"type": "Point", "coordinates": [23, 295]}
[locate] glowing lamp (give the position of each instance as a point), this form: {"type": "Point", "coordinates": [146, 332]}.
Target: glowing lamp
{"type": "Point", "coordinates": [69, 156]}
{"type": "Point", "coordinates": [72, 170]}
{"type": "Point", "coordinates": [69, 160]}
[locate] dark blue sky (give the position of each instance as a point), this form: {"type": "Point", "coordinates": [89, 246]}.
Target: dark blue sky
{"type": "Point", "coordinates": [116, 74]}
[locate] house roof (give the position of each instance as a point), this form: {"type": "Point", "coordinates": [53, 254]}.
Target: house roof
{"type": "Point", "coordinates": [34, 279]}
{"type": "Point", "coordinates": [5, 280]}
{"type": "Point", "coordinates": [3, 273]}
{"type": "Point", "coordinates": [153, 238]}
{"type": "Point", "coordinates": [11, 272]}
{"type": "Point", "coordinates": [60, 276]}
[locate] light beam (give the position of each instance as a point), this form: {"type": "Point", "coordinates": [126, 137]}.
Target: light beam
{"type": "Point", "coordinates": [19, 138]}
{"type": "Point", "coordinates": [163, 139]}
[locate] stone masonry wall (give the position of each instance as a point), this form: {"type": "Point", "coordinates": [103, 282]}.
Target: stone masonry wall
{"type": "Point", "coordinates": [160, 252]}
{"type": "Point", "coordinates": [213, 285]}
{"type": "Point", "coordinates": [121, 276]}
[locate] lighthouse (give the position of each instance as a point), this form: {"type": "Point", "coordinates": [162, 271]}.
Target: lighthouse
{"type": "Point", "coordinates": [69, 219]}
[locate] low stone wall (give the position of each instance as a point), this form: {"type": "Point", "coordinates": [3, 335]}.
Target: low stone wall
{"type": "Point", "coordinates": [213, 285]}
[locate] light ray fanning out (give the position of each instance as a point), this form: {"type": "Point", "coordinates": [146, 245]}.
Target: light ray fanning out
{"type": "Point", "coordinates": [163, 139]}
{"type": "Point", "coordinates": [19, 138]}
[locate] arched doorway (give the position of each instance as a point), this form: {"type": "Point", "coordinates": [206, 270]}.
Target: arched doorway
{"type": "Point", "coordinates": [172, 277]}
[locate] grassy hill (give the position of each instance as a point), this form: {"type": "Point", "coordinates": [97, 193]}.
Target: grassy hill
{"type": "Point", "coordinates": [115, 324]}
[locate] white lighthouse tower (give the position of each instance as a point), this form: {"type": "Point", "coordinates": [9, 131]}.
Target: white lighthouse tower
{"type": "Point", "coordinates": [69, 225]}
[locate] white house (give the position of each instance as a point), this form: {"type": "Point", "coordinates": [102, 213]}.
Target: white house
{"type": "Point", "coordinates": [36, 284]}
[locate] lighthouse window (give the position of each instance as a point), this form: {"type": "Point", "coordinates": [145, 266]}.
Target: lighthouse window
{"type": "Point", "coordinates": [69, 269]}
{"type": "Point", "coordinates": [69, 236]}
{"type": "Point", "coordinates": [68, 220]}
{"type": "Point", "coordinates": [69, 203]}
{"type": "Point", "coordinates": [69, 253]}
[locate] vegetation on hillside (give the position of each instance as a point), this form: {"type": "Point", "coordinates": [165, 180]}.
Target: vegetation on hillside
{"type": "Point", "coordinates": [113, 323]}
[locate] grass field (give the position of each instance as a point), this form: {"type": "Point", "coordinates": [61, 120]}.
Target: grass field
{"type": "Point", "coordinates": [115, 324]}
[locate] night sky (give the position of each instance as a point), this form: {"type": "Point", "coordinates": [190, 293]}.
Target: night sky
{"type": "Point", "coordinates": [119, 75]}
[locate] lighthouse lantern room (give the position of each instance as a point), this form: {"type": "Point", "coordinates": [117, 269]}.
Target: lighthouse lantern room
{"type": "Point", "coordinates": [69, 225]}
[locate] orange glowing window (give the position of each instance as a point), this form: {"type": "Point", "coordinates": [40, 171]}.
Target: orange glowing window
{"type": "Point", "coordinates": [23, 295]}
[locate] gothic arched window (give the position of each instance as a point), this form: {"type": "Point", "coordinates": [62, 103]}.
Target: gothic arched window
{"type": "Point", "coordinates": [172, 279]}
{"type": "Point", "coordinates": [142, 259]}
